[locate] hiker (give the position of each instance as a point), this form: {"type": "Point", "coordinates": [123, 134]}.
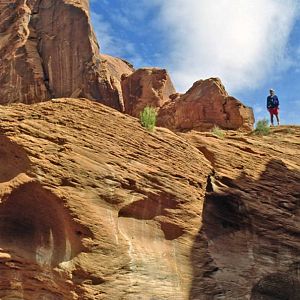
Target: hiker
{"type": "Point", "coordinates": [273, 106]}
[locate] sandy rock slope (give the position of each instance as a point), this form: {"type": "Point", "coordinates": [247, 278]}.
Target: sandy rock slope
{"type": "Point", "coordinates": [95, 207]}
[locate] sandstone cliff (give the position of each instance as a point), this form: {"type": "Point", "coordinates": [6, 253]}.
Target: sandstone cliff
{"type": "Point", "coordinates": [248, 246]}
{"type": "Point", "coordinates": [48, 50]}
{"type": "Point", "coordinates": [95, 207]}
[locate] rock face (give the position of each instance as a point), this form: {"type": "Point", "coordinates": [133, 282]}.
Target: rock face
{"type": "Point", "coordinates": [114, 69]}
{"type": "Point", "coordinates": [248, 246]}
{"type": "Point", "coordinates": [206, 104]}
{"type": "Point", "coordinates": [146, 87]}
{"type": "Point", "coordinates": [48, 50]}
{"type": "Point", "coordinates": [95, 207]}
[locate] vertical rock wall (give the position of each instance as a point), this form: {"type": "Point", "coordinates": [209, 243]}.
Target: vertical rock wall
{"type": "Point", "coordinates": [48, 49]}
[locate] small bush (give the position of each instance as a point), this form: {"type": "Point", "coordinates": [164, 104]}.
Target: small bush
{"type": "Point", "coordinates": [217, 131]}
{"type": "Point", "coordinates": [262, 127]}
{"type": "Point", "coordinates": [148, 118]}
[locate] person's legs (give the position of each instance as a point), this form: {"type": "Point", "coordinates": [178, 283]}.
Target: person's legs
{"type": "Point", "coordinates": [277, 118]}
{"type": "Point", "coordinates": [271, 115]}
{"type": "Point", "coordinates": [272, 119]}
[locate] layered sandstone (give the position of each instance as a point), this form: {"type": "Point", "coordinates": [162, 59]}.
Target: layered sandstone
{"type": "Point", "coordinates": [146, 87]}
{"type": "Point", "coordinates": [95, 207]}
{"type": "Point", "coordinates": [48, 49]}
{"type": "Point", "coordinates": [203, 106]}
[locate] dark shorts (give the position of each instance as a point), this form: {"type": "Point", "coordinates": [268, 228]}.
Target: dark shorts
{"type": "Point", "coordinates": [273, 111]}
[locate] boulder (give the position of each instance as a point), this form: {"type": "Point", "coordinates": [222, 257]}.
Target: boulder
{"type": "Point", "coordinates": [203, 106]}
{"type": "Point", "coordinates": [146, 87]}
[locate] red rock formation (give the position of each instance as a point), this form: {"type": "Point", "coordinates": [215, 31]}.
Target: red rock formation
{"type": "Point", "coordinates": [95, 204]}
{"type": "Point", "coordinates": [48, 49]}
{"type": "Point", "coordinates": [146, 87]}
{"type": "Point", "coordinates": [206, 104]}
{"type": "Point", "coordinates": [95, 207]}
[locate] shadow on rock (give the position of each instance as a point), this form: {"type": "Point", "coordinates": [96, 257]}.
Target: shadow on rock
{"type": "Point", "coordinates": [249, 243]}
{"type": "Point", "coordinates": [13, 159]}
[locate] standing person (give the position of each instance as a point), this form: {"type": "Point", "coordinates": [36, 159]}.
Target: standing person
{"type": "Point", "coordinates": [273, 106]}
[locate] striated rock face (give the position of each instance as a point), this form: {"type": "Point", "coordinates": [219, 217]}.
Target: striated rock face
{"type": "Point", "coordinates": [95, 207]}
{"type": "Point", "coordinates": [48, 50]}
{"type": "Point", "coordinates": [146, 87]}
{"type": "Point", "coordinates": [21, 72]}
{"type": "Point", "coordinates": [206, 104]}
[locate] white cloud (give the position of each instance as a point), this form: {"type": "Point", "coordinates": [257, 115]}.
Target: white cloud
{"type": "Point", "coordinates": [242, 42]}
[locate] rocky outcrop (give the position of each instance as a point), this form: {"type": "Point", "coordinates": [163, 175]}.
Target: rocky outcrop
{"type": "Point", "coordinates": [205, 105]}
{"type": "Point", "coordinates": [95, 207]}
{"type": "Point", "coordinates": [48, 50]}
{"type": "Point", "coordinates": [146, 87]}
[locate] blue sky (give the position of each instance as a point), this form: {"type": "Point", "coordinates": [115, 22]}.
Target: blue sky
{"type": "Point", "coordinates": [252, 45]}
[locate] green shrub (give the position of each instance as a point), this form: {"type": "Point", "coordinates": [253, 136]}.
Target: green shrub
{"type": "Point", "coordinates": [262, 127]}
{"type": "Point", "coordinates": [217, 131]}
{"type": "Point", "coordinates": [148, 118]}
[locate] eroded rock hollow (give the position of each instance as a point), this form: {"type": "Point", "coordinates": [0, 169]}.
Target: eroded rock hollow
{"type": "Point", "coordinates": [34, 225]}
